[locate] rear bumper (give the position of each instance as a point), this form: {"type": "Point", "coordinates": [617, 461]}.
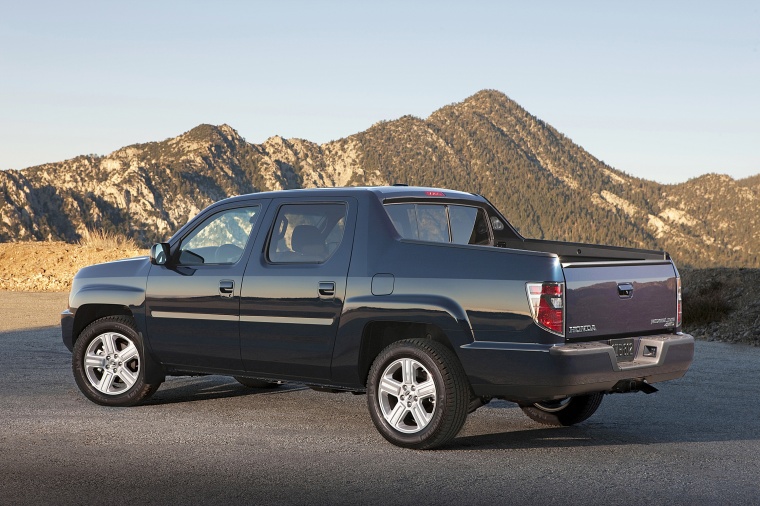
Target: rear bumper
{"type": "Point", "coordinates": [530, 373]}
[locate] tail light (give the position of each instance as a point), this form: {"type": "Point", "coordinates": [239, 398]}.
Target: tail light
{"type": "Point", "coordinates": [679, 317]}
{"type": "Point", "coordinates": [547, 306]}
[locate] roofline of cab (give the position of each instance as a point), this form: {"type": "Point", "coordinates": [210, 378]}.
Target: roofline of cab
{"type": "Point", "coordinates": [382, 192]}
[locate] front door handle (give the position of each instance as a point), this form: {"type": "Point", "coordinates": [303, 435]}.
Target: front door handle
{"type": "Point", "coordinates": [327, 289]}
{"type": "Point", "coordinates": [226, 288]}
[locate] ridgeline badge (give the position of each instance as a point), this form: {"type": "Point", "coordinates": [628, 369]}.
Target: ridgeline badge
{"type": "Point", "coordinates": [665, 322]}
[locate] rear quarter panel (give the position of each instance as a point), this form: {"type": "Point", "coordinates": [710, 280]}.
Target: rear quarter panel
{"type": "Point", "coordinates": [470, 292]}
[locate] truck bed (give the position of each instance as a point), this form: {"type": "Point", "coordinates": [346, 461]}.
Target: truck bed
{"type": "Point", "coordinates": [612, 292]}
{"type": "Point", "coordinates": [579, 252]}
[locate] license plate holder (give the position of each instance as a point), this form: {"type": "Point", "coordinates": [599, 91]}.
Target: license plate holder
{"type": "Point", "coordinates": [624, 349]}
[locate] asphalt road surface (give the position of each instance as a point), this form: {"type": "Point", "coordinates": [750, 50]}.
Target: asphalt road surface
{"type": "Point", "coordinates": [208, 440]}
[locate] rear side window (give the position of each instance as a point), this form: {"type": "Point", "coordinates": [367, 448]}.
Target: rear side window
{"type": "Point", "coordinates": [307, 233]}
{"type": "Point", "coordinates": [452, 223]}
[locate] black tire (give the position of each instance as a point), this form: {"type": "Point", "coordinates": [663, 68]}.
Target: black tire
{"type": "Point", "coordinates": [257, 383]}
{"type": "Point", "coordinates": [107, 378]}
{"type": "Point", "coordinates": [564, 412]}
{"type": "Point", "coordinates": [441, 405]}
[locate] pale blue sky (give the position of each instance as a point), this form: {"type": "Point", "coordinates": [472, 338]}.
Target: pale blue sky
{"type": "Point", "coordinates": [662, 90]}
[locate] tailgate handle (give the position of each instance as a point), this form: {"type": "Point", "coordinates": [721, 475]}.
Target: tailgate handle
{"type": "Point", "coordinates": [625, 290]}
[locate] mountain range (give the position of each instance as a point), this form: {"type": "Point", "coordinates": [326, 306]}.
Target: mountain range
{"type": "Point", "coordinates": [546, 185]}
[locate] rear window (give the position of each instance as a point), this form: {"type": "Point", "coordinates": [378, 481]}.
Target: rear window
{"type": "Point", "coordinates": [452, 223]}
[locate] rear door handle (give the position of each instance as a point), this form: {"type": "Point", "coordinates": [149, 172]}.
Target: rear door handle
{"type": "Point", "coordinates": [226, 288]}
{"type": "Point", "coordinates": [327, 289]}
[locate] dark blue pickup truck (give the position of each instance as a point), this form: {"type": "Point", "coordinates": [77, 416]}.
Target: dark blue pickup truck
{"type": "Point", "coordinates": [426, 299]}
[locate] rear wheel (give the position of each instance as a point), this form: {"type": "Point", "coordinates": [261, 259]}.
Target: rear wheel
{"type": "Point", "coordinates": [109, 365]}
{"type": "Point", "coordinates": [564, 412]}
{"type": "Point", "coordinates": [257, 383]}
{"type": "Point", "coordinates": [417, 394]}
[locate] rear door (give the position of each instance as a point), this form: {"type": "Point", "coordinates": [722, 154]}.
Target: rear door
{"type": "Point", "coordinates": [620, 299]}
{"type": "Point", "coordinates": [294, 288]}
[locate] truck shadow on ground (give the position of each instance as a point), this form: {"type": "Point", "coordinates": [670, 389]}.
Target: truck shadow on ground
{"type": "Point", "coordinates": [194, 389]}
{"type": "Point", "coordinates": [605, 432]}
{"type": "Point", "coordinates": [570, 437]}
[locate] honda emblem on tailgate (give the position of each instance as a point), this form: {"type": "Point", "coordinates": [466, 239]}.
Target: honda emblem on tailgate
{"type": "Point", "coordinates": [581, 328]}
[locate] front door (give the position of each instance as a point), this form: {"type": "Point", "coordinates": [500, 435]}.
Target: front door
{"type": "Point", "coordinates": [193, 302]}
{"type": "Point", "coordinates": [294, 287]}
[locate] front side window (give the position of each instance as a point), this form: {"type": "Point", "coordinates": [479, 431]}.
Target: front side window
{"type": "Point", "coordinates": [220, 239]}
{"type": "Point", "coordinates": [307, 233]}
{"type": "Point", "coordinates": [440, 223]}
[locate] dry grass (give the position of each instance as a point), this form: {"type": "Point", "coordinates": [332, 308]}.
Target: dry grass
{"type": "Point", "coordinates": [107, 241]}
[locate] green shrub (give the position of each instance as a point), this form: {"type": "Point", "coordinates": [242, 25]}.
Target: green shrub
{"type": "Point", "coordinates": [705, 305]}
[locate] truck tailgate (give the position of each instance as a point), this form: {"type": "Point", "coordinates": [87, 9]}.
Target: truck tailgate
{"type": "Point", "coordinates": [617, 299]}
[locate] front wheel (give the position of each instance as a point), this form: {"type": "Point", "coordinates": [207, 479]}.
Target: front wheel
{"type": "Point", "coordinates": [564, 412]}
{"type": "Point", "coordinates": [109, 365]}
{"type": "Point", "coordinates": [417, 394]}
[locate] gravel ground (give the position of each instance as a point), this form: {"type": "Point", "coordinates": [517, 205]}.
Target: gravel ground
{"type": "Point", "coordinates": [209, 440]}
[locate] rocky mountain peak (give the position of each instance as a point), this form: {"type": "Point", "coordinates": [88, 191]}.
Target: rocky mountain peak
{"type": "Point", "coordinates": [230, 132]}
{"type": "Point", "coordinates": [546, 185]}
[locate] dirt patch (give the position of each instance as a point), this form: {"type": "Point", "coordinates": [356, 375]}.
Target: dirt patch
{"type": "Point", "coordinates": [50, 266]}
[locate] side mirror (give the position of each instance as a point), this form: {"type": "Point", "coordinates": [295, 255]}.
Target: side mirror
{"type": "Point", "coordinates": [159, 253]}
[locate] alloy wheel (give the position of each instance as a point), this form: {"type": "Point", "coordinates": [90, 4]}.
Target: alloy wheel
{"type": "Point", "coordinates": [407, 395]}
